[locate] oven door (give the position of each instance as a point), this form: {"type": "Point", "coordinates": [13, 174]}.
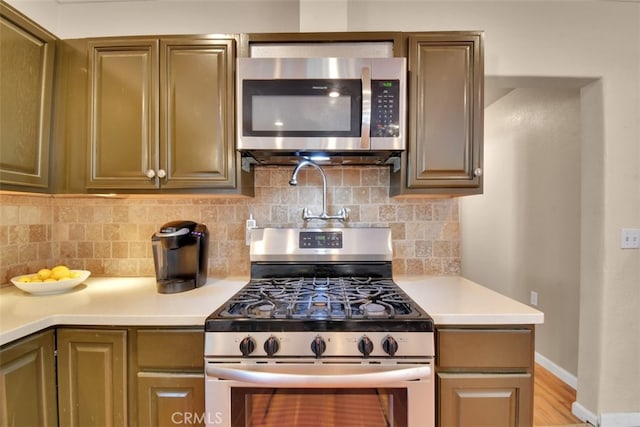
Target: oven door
{"type": "Point", "coordinates": [318, 393]}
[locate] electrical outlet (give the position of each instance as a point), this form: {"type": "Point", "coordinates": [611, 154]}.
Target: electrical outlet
{"type": "Point", "coordinates": [630, 238]}
{"type": "Point", "coordinates": [534, 298]}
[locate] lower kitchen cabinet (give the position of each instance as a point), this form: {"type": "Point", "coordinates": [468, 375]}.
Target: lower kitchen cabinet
{"type": "Point", "coordinates": [170, 398]}
{"type": "Point", "coordinates": [92, 377]}
{"type": "Point", "coordinates": [489, 400]}
{"type": "Point", "coordinates": [130, 376]}
{"type": "Point", "coordinates": [28, 382]}
{"type": "Point", "coordinates": [169, 377]}
{"type": "Point", "coordinates": [485, 376]}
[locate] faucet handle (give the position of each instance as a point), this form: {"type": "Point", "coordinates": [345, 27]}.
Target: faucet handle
{"type": "Point", "coordinates": [343, 214]}
{"type": "Point", "coordinates": [307, 215]}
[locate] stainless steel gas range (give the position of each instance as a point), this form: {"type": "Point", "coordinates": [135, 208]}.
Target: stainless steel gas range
{"type": "Point", "coordinates": [320, 336]}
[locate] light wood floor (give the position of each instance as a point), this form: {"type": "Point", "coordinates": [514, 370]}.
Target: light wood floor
{"type": "Point", "coordinates": [552, 400]}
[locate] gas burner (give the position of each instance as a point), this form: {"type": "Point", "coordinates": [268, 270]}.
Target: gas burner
{"type": "Point", "coordinates": [374, 309]}
{"type": "Point", "coordinates": [263, 309]}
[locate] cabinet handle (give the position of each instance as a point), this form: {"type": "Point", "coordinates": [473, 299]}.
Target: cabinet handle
{"type": "Point", "coordinates": [150, 173]}
{"type": "Point", "coordinates": [477, 172]}
{"type": "Point", "coordinates": [161, 173]}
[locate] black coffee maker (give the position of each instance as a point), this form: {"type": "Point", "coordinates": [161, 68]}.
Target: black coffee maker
{"type": "Point", "coordinates": [180, 253]}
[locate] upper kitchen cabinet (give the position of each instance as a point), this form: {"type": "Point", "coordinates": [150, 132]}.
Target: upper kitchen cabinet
{"type": "Point", "coordinates": [445, 138]}
{"type": "Point", "coordinates": [124, 143]}
{"type": "Point", "coordinates": [26, 83]}
{"type": "Point", "coordinates": [160, 116]}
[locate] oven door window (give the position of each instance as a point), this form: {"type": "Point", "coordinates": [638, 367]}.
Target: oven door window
{"type": "Point", "coordinates": [302, 107]}
{"type": "Point", "coordinates": [291, 407]}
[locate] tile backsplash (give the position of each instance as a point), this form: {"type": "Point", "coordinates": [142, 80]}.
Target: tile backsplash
{"type": "Point", "coordinates": [111, 236]}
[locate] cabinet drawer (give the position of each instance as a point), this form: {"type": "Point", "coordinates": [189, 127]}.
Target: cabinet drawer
{"type": "Point", "coordinates": [170, 349]}
{"type": "Point", "coordinates": [478, 349]}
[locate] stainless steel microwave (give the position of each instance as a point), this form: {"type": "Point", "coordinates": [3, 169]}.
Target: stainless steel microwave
{"type": "Point", "coordinates": [330, 106]}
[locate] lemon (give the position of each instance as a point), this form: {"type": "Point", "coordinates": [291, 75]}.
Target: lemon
{"type": "Point", "coordinates": [50, 280]}
{"type": "Point", "coordinates": [24, 279]}
{"type": "Point", "coordinates": [74, 274]}
{"type": "Point", "coordinates": [36, 279]}
{"type": "Point", "coordinates": [44, 273]}
{"type": "Point", "coordinates": [60, 272]}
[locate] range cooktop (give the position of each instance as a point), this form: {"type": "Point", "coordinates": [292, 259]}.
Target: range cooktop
{"type": "Point", "coordinates": [320, 280]}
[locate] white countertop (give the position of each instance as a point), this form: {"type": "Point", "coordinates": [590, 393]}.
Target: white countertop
{"type": "Point", "coordinates": [135, 302]}
{"type": "Point", "coordinates": [454, 300]}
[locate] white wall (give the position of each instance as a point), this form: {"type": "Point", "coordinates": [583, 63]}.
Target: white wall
{"type": "Point", "coordinates": [523, 233]}
{"type": "Point", "coordinates": [78, 18]}
{"type": "Point", "coordinates": [593, 39]}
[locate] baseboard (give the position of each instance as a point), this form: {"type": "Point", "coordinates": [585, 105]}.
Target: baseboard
{"type": "Point", "coordinates": [620, 419]}
{"type": "Point", "coordinates": [564, 375]}
{"type": "Point", "coordinates": [607, 419]}
{"type": "Point", "coordinates": [584, 414]}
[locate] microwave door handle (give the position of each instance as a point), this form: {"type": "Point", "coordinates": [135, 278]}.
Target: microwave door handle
{"type": "Point", "coordinates": [272, 379]}
{"type": "Point", "coordinates": [365, 142]}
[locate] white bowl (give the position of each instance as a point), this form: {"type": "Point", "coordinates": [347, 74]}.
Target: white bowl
{"type": "Point", "coordinates": [49, 288]}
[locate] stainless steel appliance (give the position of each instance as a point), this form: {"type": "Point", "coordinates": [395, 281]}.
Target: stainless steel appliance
{"type": "Point", "coordinates": [320, 335]}
{"type": "Point", "coordinates": [326, 108]}
{"type": "Point", "coordinates": [180, 256]}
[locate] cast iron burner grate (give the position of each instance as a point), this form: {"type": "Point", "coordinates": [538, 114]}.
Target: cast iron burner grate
{"type": "Point", "coordinates": [326, 298]}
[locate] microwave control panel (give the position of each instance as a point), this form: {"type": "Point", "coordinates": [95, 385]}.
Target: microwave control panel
{"type": "Point", "coordinates": [385, 108]}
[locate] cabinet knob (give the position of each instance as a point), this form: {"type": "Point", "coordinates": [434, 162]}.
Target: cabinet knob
{"type": "Point", "coordinates": [161, 173]}
{"type": "Point", "coordinates": [477, 172]}
{"type": "Point", "coordinates": [150, 173]}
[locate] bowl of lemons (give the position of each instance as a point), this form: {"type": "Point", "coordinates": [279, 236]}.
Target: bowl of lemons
{"type": "Point", "coordinates": [47, 281]}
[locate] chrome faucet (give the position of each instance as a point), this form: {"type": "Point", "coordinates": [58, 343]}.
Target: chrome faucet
{"type": "Point", "coordinates": [343, 214]}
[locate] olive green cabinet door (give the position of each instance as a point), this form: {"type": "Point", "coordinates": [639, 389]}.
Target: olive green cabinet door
{"type": "Point", "coordinates": [26, 84]}
{"type": "Point", "coordinates": [170, 399]}
{"type": "Point", "coordinates": [485, 400]}
{"type": "Point", "coordinates": [123, 108]}
{"type": "Point", "coordinates": [28, 382]}
{"type": "Point", "coordinates": [92, 377]}
{"type": "Point", "coordinates": [444, 150]}
{"type": "Point", "coordinates": [197, 113]}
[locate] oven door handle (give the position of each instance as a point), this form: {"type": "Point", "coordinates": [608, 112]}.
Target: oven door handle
{"type": "Point", "coordinates": [274, 379]}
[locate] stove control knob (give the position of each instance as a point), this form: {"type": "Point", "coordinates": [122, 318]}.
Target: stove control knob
{"type": "Point", "coordinates": [318, 346]}
{"type": "Point", "coordinates": [247, 345]}
{"type": "Point", "coordinates": [390, 345]}
{"type": "Point", "coordinates": [365, 346]}
{"type": "Point", "coordinates": [271, 346]}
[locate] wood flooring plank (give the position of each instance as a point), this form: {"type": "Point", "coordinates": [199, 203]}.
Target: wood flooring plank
{"type": "Point", "coordinates": [552, 401]}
